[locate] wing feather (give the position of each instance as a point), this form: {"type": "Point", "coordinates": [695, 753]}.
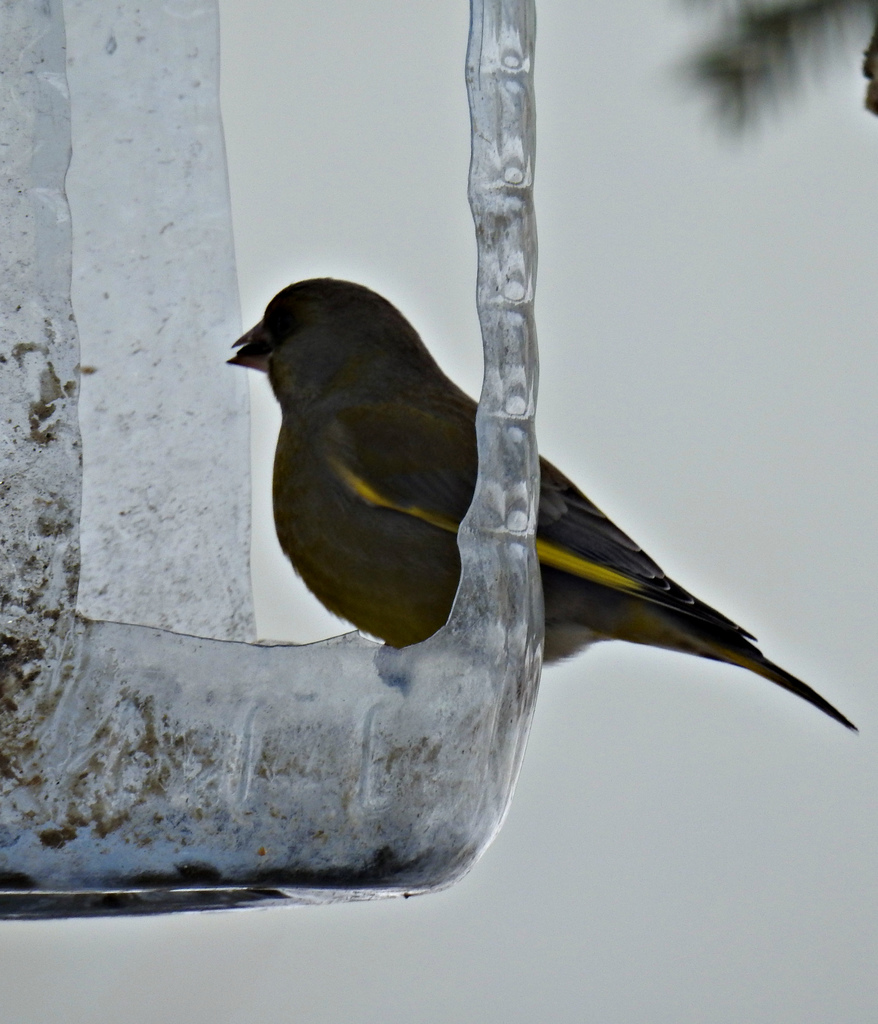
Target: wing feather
{"type": "Point", "coordinates": [423, 462]}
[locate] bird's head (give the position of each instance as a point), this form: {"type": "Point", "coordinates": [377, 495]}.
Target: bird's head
{"type": "Point", "coordinates": [325, 337]}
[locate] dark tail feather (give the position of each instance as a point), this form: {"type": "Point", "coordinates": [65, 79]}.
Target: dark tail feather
{"type": "Point", "coordinates": [768, 670]}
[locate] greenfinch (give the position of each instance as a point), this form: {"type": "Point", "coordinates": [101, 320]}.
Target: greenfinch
{"type": "Point", "coordinates": [376, 466]}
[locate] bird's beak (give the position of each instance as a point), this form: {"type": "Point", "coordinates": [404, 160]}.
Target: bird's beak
{"type": "Point", "coordinates": [256, 346]}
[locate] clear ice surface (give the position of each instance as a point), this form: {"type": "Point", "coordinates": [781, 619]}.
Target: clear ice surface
{"type": "Point", "coordinates": [143, 769]}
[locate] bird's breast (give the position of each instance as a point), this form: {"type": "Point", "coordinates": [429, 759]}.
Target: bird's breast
{"type": "Point", "coordinates": [388, 573]}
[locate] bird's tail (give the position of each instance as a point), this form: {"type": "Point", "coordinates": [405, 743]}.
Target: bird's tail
{"type": "Point", "coordinates": [718, 642]}
{"type": "Point", "coordinates": [755, 662]}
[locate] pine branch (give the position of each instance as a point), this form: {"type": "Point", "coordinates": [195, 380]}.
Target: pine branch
{"type": "Point", "coordinates": [870, 70]}
{"type": "Point", "coordinates": [762, 52]}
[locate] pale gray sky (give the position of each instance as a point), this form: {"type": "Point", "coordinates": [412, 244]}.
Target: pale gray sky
{"type": "Point", "coordinates": [687, 844]}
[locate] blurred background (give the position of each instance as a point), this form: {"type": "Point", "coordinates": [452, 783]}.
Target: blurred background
{"type": "Point", "coordinates": [687, 843]}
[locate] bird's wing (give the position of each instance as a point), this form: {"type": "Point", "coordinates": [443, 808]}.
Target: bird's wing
{"type": "Point", "coordinates": [423, 463]}
{"type": "Point", "coordinates": [576, 537]}
{"type": "Point", "coordinates": [413, 460]}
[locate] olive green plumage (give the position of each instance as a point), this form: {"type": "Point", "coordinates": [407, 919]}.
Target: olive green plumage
{"type": "Point", "coordinates": [376, 465]}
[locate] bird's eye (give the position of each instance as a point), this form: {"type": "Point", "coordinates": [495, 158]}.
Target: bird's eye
{"type": "Point", "coordinates": [281, 321]}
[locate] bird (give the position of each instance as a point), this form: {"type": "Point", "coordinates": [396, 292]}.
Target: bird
{"type": "Point", "coordinates": [376, 466]}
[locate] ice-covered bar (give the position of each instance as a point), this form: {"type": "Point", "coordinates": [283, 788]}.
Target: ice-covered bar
{"type": "Point", "coordinates": [152, 756]}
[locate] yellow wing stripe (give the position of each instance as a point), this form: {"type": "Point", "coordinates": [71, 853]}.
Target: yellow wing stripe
{"type": "Point", "coordinates": [560, 558]}
{"type": "Point", "coordinates": [548, 553]}
{"type": "Point", "coordinates": [373, 497]}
